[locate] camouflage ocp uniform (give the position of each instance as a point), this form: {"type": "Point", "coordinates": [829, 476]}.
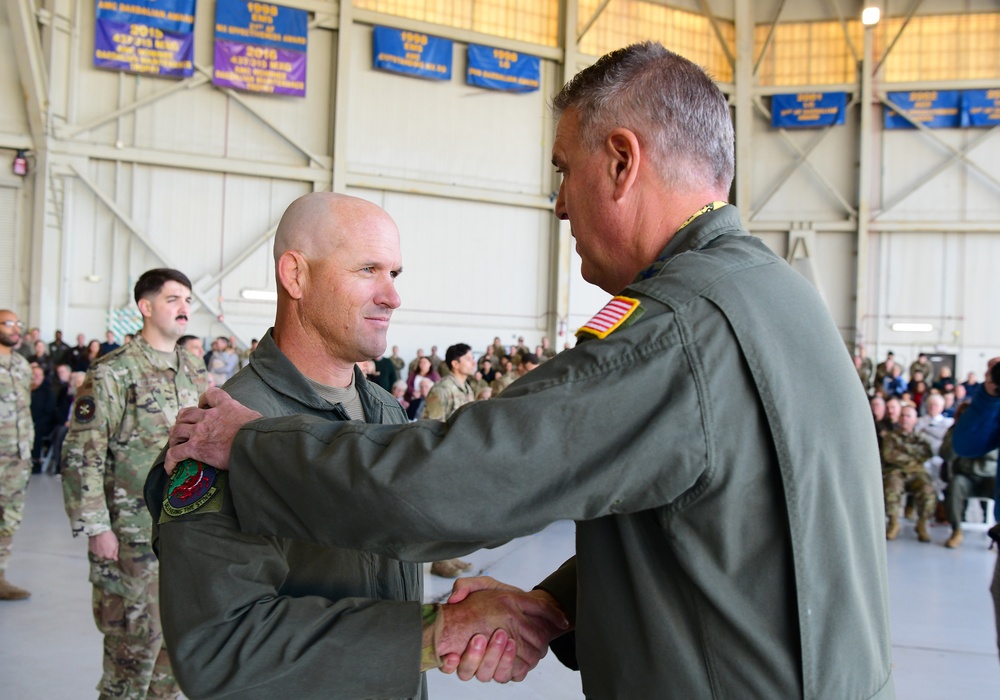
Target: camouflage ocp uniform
{"type": "Point", "coordinates": [903, 457]}
{"type": "Point", "coordinates": [446, 397]}
{"type": "Point", "coordinates": [17, 433]}
{"type": "Point", "coordinates": [120, 420]}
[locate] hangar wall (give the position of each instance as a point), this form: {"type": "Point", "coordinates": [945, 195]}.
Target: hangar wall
{"type": "Point", "coordinates": [129, 172]}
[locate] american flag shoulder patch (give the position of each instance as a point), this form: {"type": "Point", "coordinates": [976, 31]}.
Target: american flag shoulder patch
{"type": "Point", "coordinates": [609, 319]}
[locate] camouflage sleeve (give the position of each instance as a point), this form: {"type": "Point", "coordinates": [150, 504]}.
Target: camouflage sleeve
{"type": "Point", "coordinates": [85, 452]}
{"type": "Point", "coordinates": [435, 407]}
{"type": "Point", "coordinates": [890, 451]}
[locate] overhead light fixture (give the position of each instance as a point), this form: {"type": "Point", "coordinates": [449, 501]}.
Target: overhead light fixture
{"type": "Point", "coordinates": [21, 163]}
{"type": "Point", "coordinates": [259, 295]}
{"type": "Point", "coordinates": [913, 327]}
{"type": "Point", "coordinates": [872, 13]}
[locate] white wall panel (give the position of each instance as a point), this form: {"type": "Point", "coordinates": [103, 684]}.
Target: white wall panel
{"type": "Point", "coordinates": [946, 279]}
{"type": "Point", "coordinates": [13, 118]}
{"type": "Point", "coordinates": [804, 196]}
{"type": "Point", "coordinates": [909, 156]}
{"type": "Point", "coordinates": [445, 131]}
{"type": "Point", "coordinates": [834, 259]}
{"type": "Point", "coordinates": [471, 271]}
{"type": "Point", "coordinates": [585, 299]}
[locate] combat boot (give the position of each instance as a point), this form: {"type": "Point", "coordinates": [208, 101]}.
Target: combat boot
{"type": "Point", "coordinates": [9, 591]}
{"type": "Point", "coordinates": [922, 533]}
{"type": "Point", "coordinates": [908, 511]}
{"type": "Point", "coordinates": [892, 529]}
{"type": "Point", "coordinates": [955, 541]}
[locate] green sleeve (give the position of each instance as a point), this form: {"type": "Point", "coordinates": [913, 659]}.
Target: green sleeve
{"type": "Point", "coordinates": [578, 438]}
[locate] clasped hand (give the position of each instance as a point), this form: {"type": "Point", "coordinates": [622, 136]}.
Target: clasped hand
{"type": "Point", "coordinates": [519, 625]}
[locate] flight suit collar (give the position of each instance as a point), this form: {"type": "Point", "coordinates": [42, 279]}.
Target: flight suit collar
{"type": "Point", "coordinates": [283, 377]}
{"type": "Point", "coordinates": [698, 232]}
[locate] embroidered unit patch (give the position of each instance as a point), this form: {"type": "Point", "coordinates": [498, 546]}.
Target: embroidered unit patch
{"type": "Point", "coordinates": [84, 409]}
{"type": "Point", "coordinates": [192, 485]}
{"type": "Point", "coordinates": [615, 313]}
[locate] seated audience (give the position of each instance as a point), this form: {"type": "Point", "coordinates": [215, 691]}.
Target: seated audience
{"type": "Point", "coordinates": [904, 453]}
{"type": "Point", "coordinates": [423, 387]}
{"type": "Point", "coordinates": [893, 383]}
{"type": "Point", "coordinates": [424, 369]}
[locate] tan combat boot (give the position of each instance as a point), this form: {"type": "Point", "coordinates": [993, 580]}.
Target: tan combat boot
{"type": "Point", "coordinates": [922, 533]}
{"type": "Point", "coordinates": [892, 529]}
{"type": "Point", "coordinates": [955, 541]}
{"type": "Point", "coordinates": [908, 512]}
{"type": "Point", "coordinates": [9, 591]}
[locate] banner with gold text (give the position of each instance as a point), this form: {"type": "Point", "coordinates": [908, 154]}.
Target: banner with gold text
{"type": "Point", "coordinates": [260, 47]}
{"type": "Point", "coordinates": [808, 109]}
{"type": "Point", "coordinates": [934, 109]}
{"type": "Point", "coordinates": [150, 37]}
{"type": "Point", "coordinates": [501, 69]}
{"type": "Point", "coordinates": [412, 53]}
{"type": "Point", "coordinates": [981, 107]}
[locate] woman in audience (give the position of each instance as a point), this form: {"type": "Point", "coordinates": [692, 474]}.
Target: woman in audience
{"type": "Point", "coordinates": [424, 370]}
{"type": "Point", "coordinates": [42, 359]}
{"type": "Point", "coordinates": [423, 388]}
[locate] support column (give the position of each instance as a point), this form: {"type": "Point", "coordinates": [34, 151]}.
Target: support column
{"type": "Point", "coordinates": [562, 242]}
{"type": "Point", "coordinates": [743, 78]}
{"type": "Point", "coordinates": [865, 163]}
{"type": "Point", "coordinates": [345, 27]}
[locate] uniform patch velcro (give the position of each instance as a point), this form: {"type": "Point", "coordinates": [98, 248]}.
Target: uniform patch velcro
{"type": "Point", "coordinates": [609, 319]}
{"type": "Point", "coordinates": [192, 485]}
{"type": "Point", "coordinates": [84, 409]}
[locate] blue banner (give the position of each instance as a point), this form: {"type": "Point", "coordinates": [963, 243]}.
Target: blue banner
{"type": "Point", "coordinates": [808, 109]}
{"type": "Point", "coordinates": [261, 24]}
{"type": "Point", "coordinates": [500, 69]}
{"type": "Point", "coordinates": [152, 37]}
{"type": "Point", "coordinates": [260, 47]}
{"type": "Point", "coordinates": [981, 107]}
{"type": "Point", "coordinates": [935, 109]}
{"type": "Point", "coordinates": [412, 53]}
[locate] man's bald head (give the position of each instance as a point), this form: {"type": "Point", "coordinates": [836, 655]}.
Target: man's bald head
{"type": "Point", "coordinates": [336, 263]}
{"type": "Point", "coordinates": [316, 223]}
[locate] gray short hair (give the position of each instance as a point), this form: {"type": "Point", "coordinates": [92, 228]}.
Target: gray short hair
{"type": "Point", "coordinates": [670, 103]}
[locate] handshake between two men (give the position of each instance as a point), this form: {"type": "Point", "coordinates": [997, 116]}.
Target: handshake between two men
{"type": "Point", "coordinates": [355, 618]}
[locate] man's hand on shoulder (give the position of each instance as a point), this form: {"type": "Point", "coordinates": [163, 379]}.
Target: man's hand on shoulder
{"type": "Point", "coordinates": [206, 433]}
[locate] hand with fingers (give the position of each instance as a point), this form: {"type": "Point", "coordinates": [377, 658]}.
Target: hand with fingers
{"type": "Point", "coordinates": [206, 433]}
{"type": "Point", "coordinates": [519, 624]}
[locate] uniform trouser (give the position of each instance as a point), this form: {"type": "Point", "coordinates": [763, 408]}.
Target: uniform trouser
{"type": "Point", "coordinates": [961, 487]}
{"type": "Point", "coordinates": [897, 482]}
{"type": "Point", "coordinates": [14, 475]}
{"type": "Point", "coordinates": [127, 612]}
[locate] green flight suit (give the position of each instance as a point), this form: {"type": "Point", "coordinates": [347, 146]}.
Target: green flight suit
{"type": "Point", "coordinates": [730, 534]}
{"type": "Point", "coordinates": [281, 618]}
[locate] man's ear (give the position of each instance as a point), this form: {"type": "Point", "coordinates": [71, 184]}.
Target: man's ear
{"type": "Point", "coordinates": [145, 307]}
{"type": "Point", "coordinates": [292, 272]}
{"type": "Point", "coordinates": [622, 145]}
